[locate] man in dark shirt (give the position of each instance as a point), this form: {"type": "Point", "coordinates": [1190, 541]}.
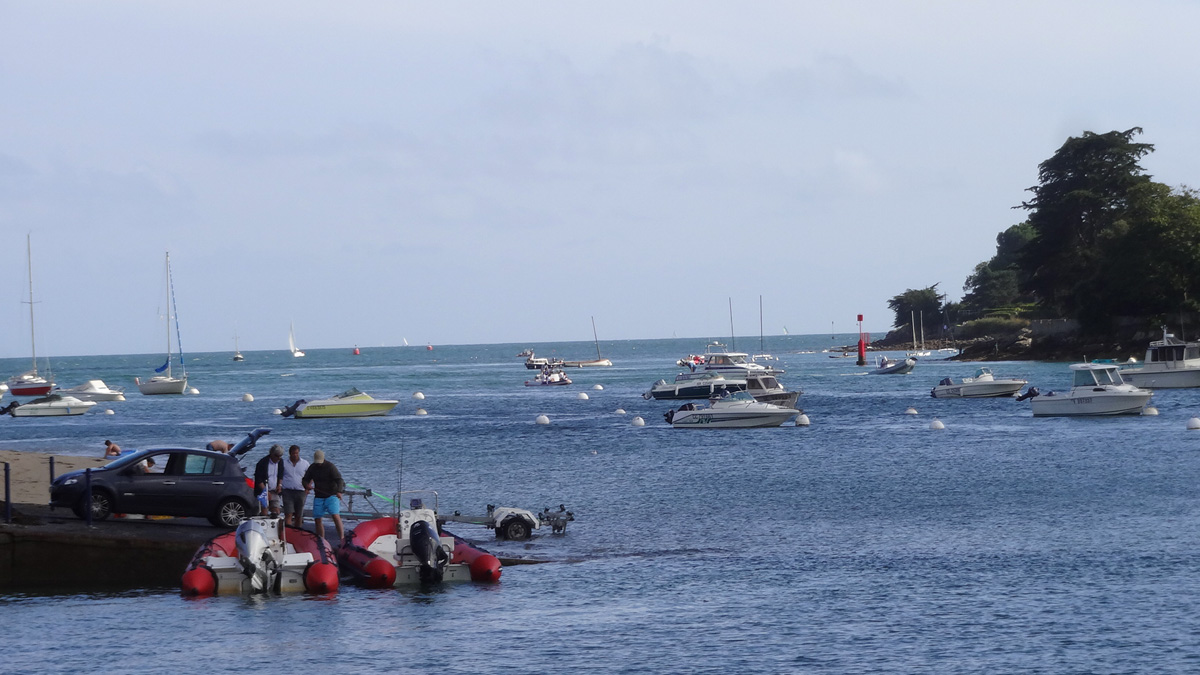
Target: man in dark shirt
{"type": "Point", "coordinates": [327, 486]}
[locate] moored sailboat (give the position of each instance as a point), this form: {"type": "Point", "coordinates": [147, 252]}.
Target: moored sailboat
{"type": "Point", "coordinates": [292, 341]}
{"type": "Point", "coordinates": [30, 383]}
{"type": "Point", "coordinates": [167, 383]}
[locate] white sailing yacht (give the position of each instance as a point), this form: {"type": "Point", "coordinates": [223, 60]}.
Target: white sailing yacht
{"type": "Point", "coordinates": [598, 361]}
{"type": "Point", "coordinates": [237, 353]}
{"type": "Point", "coordinates": [292, 341]}
{"type": "Point", "coordinates": [166, 383]}
{"type": "Point", "coordinates": [30, 383]}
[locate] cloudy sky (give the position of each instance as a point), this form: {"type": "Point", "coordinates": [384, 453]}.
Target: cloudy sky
{"type": "Point", "coordinates": [480, 172]}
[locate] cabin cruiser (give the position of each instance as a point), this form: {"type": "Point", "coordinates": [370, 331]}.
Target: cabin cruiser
{"type": "Point", "coordinates": [548, 377]}
{"type": "Point", "coordinates": [1170, 363]}
{"type": "Point", "coordinates": [983, 385]}
{"type": "Point", "coordinates": [53, 405]}
{"type": "Point", "coordinates": [349, 403]}
{"type": "Point", "coordinates": [718, 359]}
{"type": "Point", "coordinates": [767, 389]}
{"type": "Point", "coordinates": [735, 410]}
{"type": "Point", "coordinates": [702, 384]}
{"type": "Point", "coordinates": [886, 366]}
{"type": "Point", "coordinates": [1096, 389]}
{"type": "Point", "coordinates": [538, 362]}
{"type": "Point", "coordinates": [94, 390]}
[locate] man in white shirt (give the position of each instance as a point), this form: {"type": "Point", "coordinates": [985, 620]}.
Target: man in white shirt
{"type": "Point", "coordinates": [294, 493]}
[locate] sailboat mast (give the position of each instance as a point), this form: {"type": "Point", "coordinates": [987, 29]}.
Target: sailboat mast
{"type": "Point", "coordinates": [922, 330]}
{"type": "Point", "coordinates": [761, 345]}
{"type": "Point", "coordinates": [168, 314]}
{"type": "Point", "coordinates": [732, 336]}
{"type": "Point", "coordinates": [29, 265]}
{"type": "Point", "coordinates": [596, 338]}
{"type": "Point", "coordinates": [913, 322]}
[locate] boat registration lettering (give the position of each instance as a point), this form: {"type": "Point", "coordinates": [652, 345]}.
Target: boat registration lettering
{"type": "Point", "coordinates": [1083, 400]}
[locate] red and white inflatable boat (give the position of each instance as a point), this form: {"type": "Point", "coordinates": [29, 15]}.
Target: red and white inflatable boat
{"type": "Point", "coordinates": [262, 556]}
{"type": "Point", "coordinates": [410, 549]}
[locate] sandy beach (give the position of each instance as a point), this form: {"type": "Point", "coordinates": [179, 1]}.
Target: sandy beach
{"type": "Point", "coordinates": [30, 473]}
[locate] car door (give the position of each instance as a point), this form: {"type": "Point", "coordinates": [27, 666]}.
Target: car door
{"type": "Point", "coordinates": [201, 483]}
{"type": "Point", "coordinates": [152, 489]}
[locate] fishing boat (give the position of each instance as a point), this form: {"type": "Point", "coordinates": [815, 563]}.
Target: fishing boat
{"type": "Point", "coordinates": [30, 383]}
{"type": "Point", "coordinates": [410, 548]}
{"type": "Point", "coordinates": [886, 366]}
{"type": "Point", "coordinates": [1170, 363]}
{"type": "Point", "coordinates": [697, 385]}
{"type": "Point", "coordinates": [983, 385]}
{"type": "Point", "coordinates": [167, 383]}
{"type": "Point", "coordinates": [292, 341]}
{"type": "Point", "coordinates": [549, 377]}
{"type": "Point", "coordinates": [735, 410]}
{"type": "Point", "coordinates": [598, 361]}
{"type": "Point", "coordinates": [262, 556]}
{"type": "Point", "coordinates": [349, 403]}
{"type": "Point", "coordinates": [53, 405]}
{"type": "Point", "coordinates": [94, 390]}
{"type": "Point", "coordinates": [1097, 389]}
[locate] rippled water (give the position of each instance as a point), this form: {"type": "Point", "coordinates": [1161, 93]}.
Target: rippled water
{"type": "Point", "coordinates": [865, 542]}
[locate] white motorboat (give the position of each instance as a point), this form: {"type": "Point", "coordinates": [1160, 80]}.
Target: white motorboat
{"type": "Point", "coordinates": [886, 366]}
{"type": "Point", "coordinates": [292, 342]}
{"type": "Point", "coordinates": [349, 403]}
{"type": "Point", "coordinates": [718, 359]}
{"type": "Point", "coordinates": [736, 410]}
{"type": "Point", "coordinates": [53, 405]}
{"type": "Point", "coordinates": [983, 385]}
{"type": "Point", "coordinates": [1096, 389]}
{"type": "Point", "coordinates": [698, 385]}
{"type": "Point", "coordinates": [30, 383]}
{"type": "Point", "coordinates": [94, 390]}
{"type": "Point", "coordinates": [1170, 363]}
{"type": "Point", "coordinates": [548, 377]}
{"type": "Point", "coordinates": [538, 362]}
{"type": "Point", "coordinates": [166, 383]}
{"type": "Point", "coordinates": [767, 389]}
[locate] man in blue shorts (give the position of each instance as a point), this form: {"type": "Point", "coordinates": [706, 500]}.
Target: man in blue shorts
{"type": "Point", "coordinates": [327, 485]}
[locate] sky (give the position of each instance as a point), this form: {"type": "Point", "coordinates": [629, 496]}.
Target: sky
{"type": "Point", "coordinates": [488, 172]}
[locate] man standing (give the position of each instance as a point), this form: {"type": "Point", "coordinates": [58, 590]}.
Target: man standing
{"type": "Point", "coordinates": [294, 494]}
{"type": "Point", "coordinates": [267, 479]}
{"type": "Point", "coordinates": [327, 486]}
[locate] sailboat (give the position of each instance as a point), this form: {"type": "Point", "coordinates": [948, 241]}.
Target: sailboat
{"type": "Point", "coordinates": [237, 353]}
{"type": "Point", "coordinates": [292, 341]}
{"type": "Point", "coordinates": [598, 361]}
{"type": "Point", "coordinates": [762, 355]}
{"type": "Point", "coordinates": [913, 321]}
{"type": "Point", "coordinates": [168, 383]}
{"type": "Point", "coordinates": [30, 383]}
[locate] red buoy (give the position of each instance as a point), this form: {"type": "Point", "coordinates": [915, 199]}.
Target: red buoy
{"type": "Point", "coordinates": [356, 352]}
{"type": "Point", "coordinates": [198, 582]}
{"type": "Point", "coordinates": [485, 568]}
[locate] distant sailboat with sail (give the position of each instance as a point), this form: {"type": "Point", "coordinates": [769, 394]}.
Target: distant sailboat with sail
{"type": "Point", "coordinates": [168, 383]}
{"type": "Point", "coordinates": [292, 341]}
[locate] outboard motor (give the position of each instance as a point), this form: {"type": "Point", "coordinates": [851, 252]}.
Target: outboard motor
{"type": "Point", "coordinates": [291, 409]}
{"type": "Point", "coordinates": [10, 409]}
{"type": "Point", "coordinates": [1029, 393]}
{"type": "Point", "coordinates": [427, 547]}
{"type": "Point", "coordinates": [254, 552]}
{"type": "Point", "coordinates": [669, 415]}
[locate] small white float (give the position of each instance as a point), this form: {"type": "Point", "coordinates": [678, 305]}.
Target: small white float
{"type": "Point", "coordinates": [638, 422]}
{"type": "Point", "coordinates": [910, 411]}
{"type": "Point", "coordinates": [542, 419]}
{"type": "Point", "coordinates": [421, 411]}
{"type": "Point", "coordinates": [582, 396]}
{"type": "Point", "coordinates": [802, 420]}
{"type": "Point", "coordinates": [936, 424]}
{"type": "Point", "coordinates": [247, 398]}
{"type": "Point", "coordinates": [1193, 424]}
{"type": "Point", "coordinates": [598, 387]}
{"type": "Point", "coordinates": [418, 396]}
{"type": "Point", "coordinates": [1150, 410]}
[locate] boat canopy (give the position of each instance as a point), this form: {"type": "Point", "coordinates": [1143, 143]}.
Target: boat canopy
{"type": "Point", "coordinates": [1088, 377]}
{"type": "Point", "coordinates": [349, 393]}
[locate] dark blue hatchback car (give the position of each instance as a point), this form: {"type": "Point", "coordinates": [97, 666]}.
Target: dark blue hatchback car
{"type": "Point", "coordinates": [168, 482]}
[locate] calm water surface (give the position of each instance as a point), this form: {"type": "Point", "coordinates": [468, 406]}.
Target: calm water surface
{"type": "Point", "coordinates": [865, 542]}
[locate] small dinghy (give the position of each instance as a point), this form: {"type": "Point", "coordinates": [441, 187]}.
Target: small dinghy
{"type": "Point", "coordinates": [549, 377]}
{"type": "Point", "coordinates": [886, 366]}
{"type": "Point", "coordinates": [262, 556]}
{"type": "Point", "coordinates": [410, 549]}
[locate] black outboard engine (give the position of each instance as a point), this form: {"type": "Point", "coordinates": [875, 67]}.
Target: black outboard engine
{"type": "Point", "coordinates": [427, 547]}
{"type": "Point", "coordinates": [10, 408]}
{"type": "Point", "coordinates": [669, 415]}
{"type": "Point", "coordinates": [291, 409]}
{"type": "Point", "coordinates": [1029, 393]}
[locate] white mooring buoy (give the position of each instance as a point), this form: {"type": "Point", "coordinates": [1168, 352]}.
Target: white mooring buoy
{"type": "Point", "coordinates": [109, 412]}
{"type": "Point", "coordinates": [936, 424]}
{"type": "Point", "coordinates": [638, 422]}
{"type": "Point", "coordinates": [420, 411]}
{"type": "Point", "coordinates": [418, 396]}
{"type": "Point", "coordinates": [620, 411]}
{"type": "Point", "coordinates": [542, 419]}
{"type": "Point", "coordinates": [802, 420]}
{"type": "Point", "coordinates": [193, 390]}
{"type": "Point", "coordinates": [1193, 424]}
{"type": "Point", "coordinates": [247, 398]}
{"type": "Point", "coordinates": [1150, 410]}
{"type": "Point", "coordinates": [582, 396]}
{"type": "Point", "coordinates": [598, 387]}
{"type": "Point", "coordinates": [910, 411]}
{"type": "Point", "coordinates": [277, 411]}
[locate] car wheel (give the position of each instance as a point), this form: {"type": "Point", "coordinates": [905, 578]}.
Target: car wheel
{"type": "Point", "coordinates": [101, 506]}
{"type": "Point", "coordinates": [515, 529]}
{"type": "Point", "coordinates": [230, 513]}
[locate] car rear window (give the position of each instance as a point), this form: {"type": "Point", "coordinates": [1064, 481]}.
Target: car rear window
{"type": "Point", "coordinates": [199, 465]}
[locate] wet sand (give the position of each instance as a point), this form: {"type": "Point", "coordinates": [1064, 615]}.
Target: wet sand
{"type": "Point", "coordinates": [29, 473]}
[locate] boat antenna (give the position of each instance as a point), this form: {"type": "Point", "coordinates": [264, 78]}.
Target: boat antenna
{"type": "Point", "coordinates": [732, 337]}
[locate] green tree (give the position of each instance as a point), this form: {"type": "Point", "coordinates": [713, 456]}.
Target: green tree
{"type": "Point", "coordinates": [997, 282]}
{"type": "Point", "coordinates": [913, 302]}
{"type": "Point", "coordinates": [1083, 193]}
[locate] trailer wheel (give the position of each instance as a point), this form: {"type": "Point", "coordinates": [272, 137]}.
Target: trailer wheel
{"type": "Point", "coordinates": [515, 529]}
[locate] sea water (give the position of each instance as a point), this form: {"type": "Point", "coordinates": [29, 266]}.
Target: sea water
{"type": "Point", "coordinates": [865, 542]}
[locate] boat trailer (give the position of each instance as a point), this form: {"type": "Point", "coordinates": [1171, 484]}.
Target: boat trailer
{"type": "Point", "coordinates": [508, 522]}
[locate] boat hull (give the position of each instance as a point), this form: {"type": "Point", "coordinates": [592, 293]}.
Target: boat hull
{"type": "Point", "coordinates": [1090, 404]}
{"type": "Point", "coordinates": [371, 555]}
{"type": "Point", "coordinates": [60, 409]}
{"type": "Point", "coordinates": [994, 389]}
{"type": "Point", "coordinates": [161, 385]}
{"type": "Point", "coordinates": [694, 390]}
{"type": "Point", "coordinates": [594, 363]}
{"type": "Point", "coordinates": [709, 419]}
{"type": "Point", "coordinates": [1174, 378]}
{"type": "Point", "coordinates": [308, 565]}
{"type": "Point", "coordinates": [376, 409]}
